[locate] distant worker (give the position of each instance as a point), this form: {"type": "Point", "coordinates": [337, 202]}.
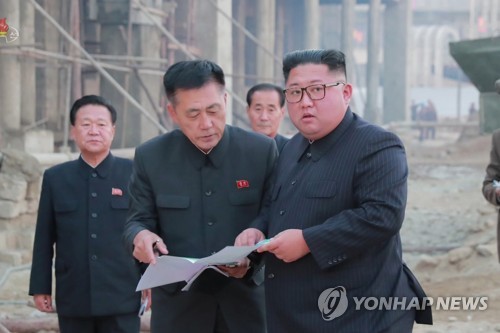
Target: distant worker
{"type": "Point", "coordinates": [473, 112]}
{"type": "Point", "coordinates": [266, 110]}
{"type": "Point", "coordinates": [427, 114]}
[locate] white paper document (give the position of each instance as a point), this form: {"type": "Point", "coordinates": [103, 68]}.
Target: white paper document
{"type": "Point", "coordinates": [171, 269]}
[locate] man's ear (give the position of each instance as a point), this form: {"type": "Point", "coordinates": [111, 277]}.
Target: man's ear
{"type": "Point", "coordinates": [72, 132]}
{"type": "Point", "coordinates": [172, 113]}
{"type": "Point", "coordinates": [347, 93]}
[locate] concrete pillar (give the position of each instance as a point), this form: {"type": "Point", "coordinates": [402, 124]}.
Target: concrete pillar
{"type": "Point", "coordinates": [49, 36]}
{"type": "Point", "coordinates": [28, 70]}
{"type": "Point", "coordinates": [397, 34]}
{"type": "Point", "coordinates": [280, 37]}
{"type": "Point", "coordinates": [112, 42]}
{"type": "Point", "coordinates": [10, 71]}
{"type": "Point", "coordinates": [224, 57]}
{"type": "Point", "coordinates": [312, 24]}
{"type": "Point", "coordinates": [494, 17]}
{"type": "Point", "coordinates": [266, 27]}
{"type": "Point", "coordinates": [472, 19]}
{"type": "Point", "coordinates": [348, 8]}
{"type": "Point", "coordinates": [239, 54]}
{"type": "Point", "coordinates": [372, 66]}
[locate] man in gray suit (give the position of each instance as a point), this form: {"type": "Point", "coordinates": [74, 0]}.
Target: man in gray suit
{"type": "Point", "coordinates": [335, 211]}
{"type": "Point", "coordinates": [192, 192]}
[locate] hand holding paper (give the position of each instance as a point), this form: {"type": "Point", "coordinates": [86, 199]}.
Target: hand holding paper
{"type": "Point", "coordinates": [171, 269]}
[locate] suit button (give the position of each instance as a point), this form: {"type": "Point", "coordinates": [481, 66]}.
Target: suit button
{"type": "Point", "coordinates": [208, 193]}
{"type": "Point", "coordinates": [94, 174]}
{"type": "Point", "coordinates": [282, 212]}
{"type": "Point", "coordinates": [94, 215]}
{"type": "Point", "coordinates": [94, 194]}
{"type": "Point", "coordinates": [293, 182]}
{"type": "Point", "coordinates": [94, 257]}
{"type": "Point", "coordinates": [210, 223]}
{"type": "Point", "coordinates": [308, 155]}
{"type": "Point", "coordinates": [93, 236]}
{"type": "Point", "coordinates": [270, 276]}
{"type": "Point", "coordinates": [330, 262]}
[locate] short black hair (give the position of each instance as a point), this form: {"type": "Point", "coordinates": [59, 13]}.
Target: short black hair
{"type": "Point", "coordinates": [91, 100]}
{"type": "Point", "coordinates": [266, 87]}
{"type": "Point", "coordinates": [334, 59]}
{"type": "Point", "coordinates": [191, 74]}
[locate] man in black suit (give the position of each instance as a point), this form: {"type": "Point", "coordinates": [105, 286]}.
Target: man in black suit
{"type": "Point", "coordinates": [336, 208]}
{"type": "Point", "coordinates": [82, 212]}
{"type": "Point", "coordinates": [266, 110]}
{"type": "Point", "coordinates": [193, 190]}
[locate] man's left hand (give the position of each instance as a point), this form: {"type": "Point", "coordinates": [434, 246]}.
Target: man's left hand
{"type": "Point", "coordinates": [289, 245]}
{"type": "Point", "coordinates": [238, 271]}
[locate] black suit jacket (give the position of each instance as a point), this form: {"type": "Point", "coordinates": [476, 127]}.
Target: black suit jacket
{"type": "Point", "coordinates": [280, 141]}
{"type": "Point", "coordinates": [82, 212]}
{"type": "Point", "coordinates": [198, 204]}
{"type": "Point", "coordinates": [347, 192]}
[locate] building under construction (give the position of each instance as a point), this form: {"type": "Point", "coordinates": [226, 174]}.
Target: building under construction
{"type": "Point", "coordinates": [120, 49]}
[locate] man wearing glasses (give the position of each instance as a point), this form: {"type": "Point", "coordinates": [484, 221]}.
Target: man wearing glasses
{"type": "Point", "coordinates": [335, 212]}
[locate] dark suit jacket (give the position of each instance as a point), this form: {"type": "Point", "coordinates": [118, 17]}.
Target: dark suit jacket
{"type": "Point", "coordinates": [198, 204]}
{"type": "Point", "coordinates": [347, 192]}
{"type": "Point", "coordinates": [493, 173]}
{"type": "Point", "coordinates": [280, 141]}
{"type": "Point", "coordinates": [83, 217]}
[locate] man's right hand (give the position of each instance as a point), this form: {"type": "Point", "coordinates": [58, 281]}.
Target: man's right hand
{"type": "Point", "coordinates": [43, 302]}
{"type": "Point", "coordinates": [146, 243]}
{"type": "Point", "coordinates": [249, 237]}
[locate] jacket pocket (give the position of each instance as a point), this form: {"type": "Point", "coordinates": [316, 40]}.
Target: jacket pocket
{"type": "Point", "coordinates": [172, 201]}
{"type": "Point", "coordinates": [244, 197]}
{"type": "Point", "coordinates": [119, 203]}
{"type": "Point", "coordinates": [323, 189]}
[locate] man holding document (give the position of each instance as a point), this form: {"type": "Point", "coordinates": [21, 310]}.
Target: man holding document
{"type": "Point", "coordinates": [193, 191]}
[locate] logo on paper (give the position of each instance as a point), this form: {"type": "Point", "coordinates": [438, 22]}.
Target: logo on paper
{"type": "Point", "coordinates": [9, 33]}
{"type": "Point", "coordinates": [332, 303]}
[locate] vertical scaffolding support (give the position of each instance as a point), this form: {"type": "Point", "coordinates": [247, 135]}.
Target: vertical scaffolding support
{"type": "Point", "coordinates": [312, 24]}
{"type": "Point", "coordinates": [224, 55]}
{"type": "Point", "coordinates": [372, 69]}
{"type": "Point", "coordinates": [28, 70]}
{"type": "Point", "coordinates": [50, 77]}
{"type": "Point", "coordinates": [494, 17]}
{"type": "Point", "coordinates": [348, 7]}
{"type": "Point", "coordinates": [266, 18]}
{"type": "Point", "coordinates": [397, 35]}
{"type": "Point", "coordinates": [10, 71]}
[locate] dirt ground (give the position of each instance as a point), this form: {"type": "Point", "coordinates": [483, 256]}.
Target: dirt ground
{"type": "Point", "coordinates": [449, 233]}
